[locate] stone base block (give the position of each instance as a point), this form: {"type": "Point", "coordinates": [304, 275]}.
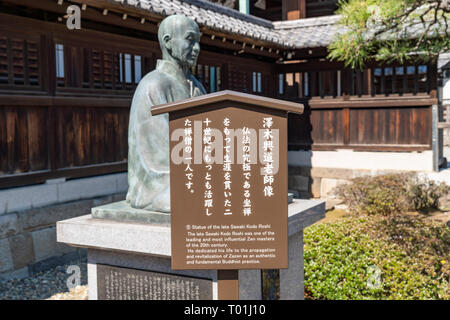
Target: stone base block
{"type": "Point", "coordinates": [122, 211]}
{"type": "Point", "coordinates": [133, 260]}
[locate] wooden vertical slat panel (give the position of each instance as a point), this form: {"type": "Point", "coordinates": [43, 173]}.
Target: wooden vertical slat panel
{"type": "Point", "coordinates": [102, 69]}
{"type": "Point", "coordinates": [22, 129]}
{"type": "Point", "coordinates": [122, 135]}
{"type": "Point", "coordinates": [67, 66]}
{"type": "Point", "coordinates": [375, 126]}
{"type": "Point", "coordinates": [77, 123]}
{"type": "Point", "coordinates": [10, 62]}
{"type": "Point", "coordinates": [69, 136]}
{"type": "Point", "coordinates": [416, 79]}
{"type": "Point", "coordinates": [113, 69]}
{"type": "Point", "coordinates": [3, 142]}
{"type": "Point", "coordinates": [122, 58]}
{"type": "Point", "coordinates": [11, 119]}
{"type": "Point", "coordinates": [346, 125]}
{"type": "Point", "coordinates": [109, 136]}
{"type": "Point", "coordinates": [397, 125]}
{"type": "Point", "coordinates": [117, 134]}
{"type": "Point", "coordinates": [98, 135]}
{"type": "Point", "coordinates": [51, 63]}
{"type": "Point", "coordinates": [87, 137]}
{"type": "Point", "coordinates": [59, 141]}
{"type": "Point", "coordinates": [382, 125]}
{"type": "Point", "coordinates": [414, 126]}
{"type": "Point", "coordinates": [43, 57]}
{"type": "Point", "coordinates": [331, 126]}
{"type": "Point", "coordinates": [26, 79]}
{"type": "Point", "coordinates": [37, 138]}
{"type": "Point", "coordinates": [17, 140]}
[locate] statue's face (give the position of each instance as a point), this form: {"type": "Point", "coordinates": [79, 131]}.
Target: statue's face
{"type": "Point", "coordinates": [185, 46]}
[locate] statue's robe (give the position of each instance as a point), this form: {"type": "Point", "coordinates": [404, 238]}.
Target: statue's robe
{"type": "Point", "coordinates": [148, 136]}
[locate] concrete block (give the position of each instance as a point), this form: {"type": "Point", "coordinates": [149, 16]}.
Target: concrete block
{"type": "Point", "coordinates": [21, 250]}
{"type": "Point", "coordinates": [300, 183]}
{"type": "Point", "coordinates": [250, 285]}
{"type": "Point", "coordinates": [45, 245]}
{"type": "Point", "coordinates": [8, 225]}
{"type": "Point", "coordinates": [6, 262]}
{"type": "Point", "coordinates": [48, 216]}
{"type": "Point", "coordinates": [42, 195]}
{"type": "Point", "coordinates": [14, 199]}
{"type": "Point", "coordinates": [292, 279]}
{"type": "Point", "coordinates": [334, 173]}
{"type": "Point", "coordinates": [327, 186]}
{"type": "Point", "coordinates": [87, 188]}
{"type": "Point", "coordinates": [122, 182]}
{"type": "Point", "coordinates": [315, 186]}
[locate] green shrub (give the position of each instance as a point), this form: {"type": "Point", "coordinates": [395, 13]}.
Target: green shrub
{"type": "Point", "coordinates": [391, 193]}
{"type": "Point", "coordinates": [377, 257]}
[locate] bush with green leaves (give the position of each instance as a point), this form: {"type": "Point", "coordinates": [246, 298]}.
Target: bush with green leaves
{"type": "Point", "coordinates": [377, 257]}
{"type": "Point", "coordinates": [391, 193]}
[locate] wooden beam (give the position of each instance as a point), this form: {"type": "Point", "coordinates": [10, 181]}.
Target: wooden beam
{"type": "Point", "coordinates": [21, 179]}
{"type": "Point", "coordinates": [57, 101]}
{"type": "Point", "coordinates": [293, 9]}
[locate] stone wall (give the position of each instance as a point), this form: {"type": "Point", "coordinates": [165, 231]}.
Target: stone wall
{"type": "Point", "coordinates": [28, 217]}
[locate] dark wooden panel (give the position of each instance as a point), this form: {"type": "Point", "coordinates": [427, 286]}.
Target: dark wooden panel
{"type": "Point", "coordinates": [97, 136]}
{"type": "Point", "coordinates": [109, 136]}
{"type": "Point", "coordinates": [390, 126]}
{"type": "Point", "coordinates": [37, 138]}
{"type": "Point", "coordinates": [327, 126]}
{"type": "Point", "coordinates": [17, 142]}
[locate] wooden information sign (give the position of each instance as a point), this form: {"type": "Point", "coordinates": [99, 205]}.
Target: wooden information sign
{"type": "Point", "coordinates": [228, 181]}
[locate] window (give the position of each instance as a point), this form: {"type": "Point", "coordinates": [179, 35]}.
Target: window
{"type": "Point", "coordinates": [59, 50]}
{"type": "Point", "coordinates": [257, 87]}
{"type": "Point", "coordinates": [212, 77]}
{"type": "Point", "coordinates": [126, 62]}
{"type": "Point", "coordinates": [127, 68]}
{"type": "Point", "coordinates": [137, 69]}
{"type": "Point", "coordinates": [306, 82]}
{"type": "Point", "coordinates": [281, 83]}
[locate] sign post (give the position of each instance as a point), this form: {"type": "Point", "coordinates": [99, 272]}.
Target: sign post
{"type": "Point", "coordinates": [228, 184]}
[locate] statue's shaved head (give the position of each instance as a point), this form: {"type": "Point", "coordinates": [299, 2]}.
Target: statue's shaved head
{"type": "Point", "coordinates": [172, 24]}
{"type": "Point", "coordinates": [179, 38]}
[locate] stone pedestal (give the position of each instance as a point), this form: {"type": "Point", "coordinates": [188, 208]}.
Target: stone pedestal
{"type": "Point", "coordinates": [130, 260]}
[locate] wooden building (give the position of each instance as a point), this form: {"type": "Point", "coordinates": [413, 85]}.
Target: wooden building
{"type": "Point", "coordinates": [65, 94]}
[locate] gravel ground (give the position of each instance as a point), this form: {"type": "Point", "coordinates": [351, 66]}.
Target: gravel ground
{"type": "Point", "coordinates": [50, 284]}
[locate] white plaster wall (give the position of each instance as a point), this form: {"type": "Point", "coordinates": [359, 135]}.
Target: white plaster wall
{"type": "Point", "coordinates": [349, 159]}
